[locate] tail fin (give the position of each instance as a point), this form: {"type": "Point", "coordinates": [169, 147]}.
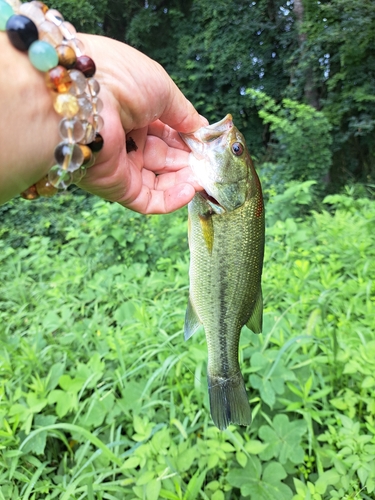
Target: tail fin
{"type": "Point", "coordinates": [228, 401]}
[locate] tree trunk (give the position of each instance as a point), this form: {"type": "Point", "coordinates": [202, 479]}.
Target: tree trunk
{"type": "Point", "coordinates": [310, 90]}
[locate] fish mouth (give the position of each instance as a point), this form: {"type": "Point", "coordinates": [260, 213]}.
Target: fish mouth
{"type": "Point", "coordinates": [212, 201]}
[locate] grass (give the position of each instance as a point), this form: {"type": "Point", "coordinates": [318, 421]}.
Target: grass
{"type": "Point", "coordinates": [100, 397]}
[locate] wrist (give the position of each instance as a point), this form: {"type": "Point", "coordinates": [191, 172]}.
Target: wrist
{"type": "Point", "coordinates": [29, 124]}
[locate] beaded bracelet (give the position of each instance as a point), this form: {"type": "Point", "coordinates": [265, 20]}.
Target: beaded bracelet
{"type": "Point", "coordinates": [54, 49]}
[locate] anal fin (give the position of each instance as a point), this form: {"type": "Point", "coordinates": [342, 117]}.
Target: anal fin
{"type": "Point", "coordinates": [192, 322]}
{"type": "Point", "coordinates": [255, 322]}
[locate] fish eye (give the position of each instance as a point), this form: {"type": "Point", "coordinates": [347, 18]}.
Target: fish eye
{"type": "Point", "coordinates": [237, 148]}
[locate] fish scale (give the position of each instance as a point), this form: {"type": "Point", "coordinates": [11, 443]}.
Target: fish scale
{"type": "Point", "coordinates": [226, 240]}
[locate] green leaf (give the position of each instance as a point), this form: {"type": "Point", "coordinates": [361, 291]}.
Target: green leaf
{"type": "Point", "coordinates": [283, 439]}
{"type": "Point", "coordinates": [258, 484]}
{"type": "Point", "coordinates": [329, 477]}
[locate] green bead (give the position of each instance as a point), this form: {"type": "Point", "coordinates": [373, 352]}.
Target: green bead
{"type": "Point", "coordinates": [43, 56]}
{"type": "Point", "coordinates": [6, 12]}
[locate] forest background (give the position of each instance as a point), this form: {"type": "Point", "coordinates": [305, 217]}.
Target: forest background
{"type": "Point", "coordinates": [100, 398]}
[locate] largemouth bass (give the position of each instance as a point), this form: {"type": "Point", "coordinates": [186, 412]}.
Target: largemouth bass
{"type": "Point", "coordinates": [226, 240]}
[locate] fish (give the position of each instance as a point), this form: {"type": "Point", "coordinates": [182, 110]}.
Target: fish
{"type": "Point", "coordinates": [226, 242]}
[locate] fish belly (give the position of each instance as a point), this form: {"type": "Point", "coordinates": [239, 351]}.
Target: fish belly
{"type": "Point", "coordinates": [225, 287]}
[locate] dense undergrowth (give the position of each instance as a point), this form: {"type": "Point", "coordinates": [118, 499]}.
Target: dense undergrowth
{"type": "Point", "coordinates": [100, 397]}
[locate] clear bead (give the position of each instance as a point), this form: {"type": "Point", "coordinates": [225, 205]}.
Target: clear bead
{"type": "Point", "coordinates": [54, 16]}
{"type": "Point", "coordinates": [85, 108]}
{"type": "Point", "coordinates": [68, 31]}
{"type": "Point", "coordinates": [71, 130]}
{"type": "Point", "coordinates": [50, 33]}
{"type": "Point", "coordinates": [89, 133]}
{"type": "Point", "coordinates": [66, 105]}
{"type": "Point", "coordinates": [32, 12]}
{"type": "Point", "coordinates": [68, 156]}
{"type": "Point", "coordinates": [59, 178]}
{"type": "Point", "coordinates": [79, 82]}
{"type": "Point", "coordinates": [77, 45]}
{"type": "Point", "coordinates": [94, 86]}
{"type": "Point", "coordinates": [78, 174]}
{"type": "Point", "coordinates": [97, 105]}
{"type": "Point", "coordinates": [98, 123]}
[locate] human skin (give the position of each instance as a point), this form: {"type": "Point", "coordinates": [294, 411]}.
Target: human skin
{"type": "Point", "coordinates": [141, 102]}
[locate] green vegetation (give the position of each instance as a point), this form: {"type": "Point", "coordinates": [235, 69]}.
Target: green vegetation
{"type": "Point", "coordinates": [102, 399]}
{"type": "Point", "coordinates": [317, 53]}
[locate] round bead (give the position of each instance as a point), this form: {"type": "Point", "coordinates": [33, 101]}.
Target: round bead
{"type": "Point", "coordinates": [21, 32]}
{"type": "Point", "coordinates": [71, 130]}
{"type": "Point", "coordinates": [32, 12]}
{"type": "Point", "coordinates": [66, 105]}
{"type": "Point", "coordinates": [67, 56]}
{"type": "Point", "coordinates": [59, 177]}
{"type": "Point", "coordinates": [68, 31]}
{"type": "Point", "coordinates": [97, 105]}
{"type": "Point", "coordinates": [78, 174]}
{"type": "Point", "coordinates": [89, 132]}
{"type": "Point", "coordinates": [58, 79]}
{"type": "Point", "coordinates": [49, 32]}
{"type": "Point", "coordinates": [43, 56]}
{"type": "Point", "coordinates": [86, 65]}
{"type": "Point", "coordinates": [76, 45]}
{"type": "Point", "coordinates": [54, 16]}
{"type": "Point", "coordinates": [45, 188]}
{"type": "Point", "coordinates": [30, 193]}
{"type": "Point", "coordinates": [79, 82]}
{"type": "Point", "coordinates": [97, 144]}
{"type": "Point", "coordinates": [6, 12]}
{"type": "Point", "coordinates": [98, 122]}
{"type": "Point", "coordinates": [85, 108]}
{"type": "Point", "coordinates": [87, 155]}
{"type": "Point", "coordinates": [94, 86]}
{"type": "Point", "coordinates": [68, 156]}
{"type": "Point", "coordinates": [42, 6]}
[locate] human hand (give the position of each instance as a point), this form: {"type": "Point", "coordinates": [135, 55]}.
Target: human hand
{"type": "Point", "coordinates": [143, 106]}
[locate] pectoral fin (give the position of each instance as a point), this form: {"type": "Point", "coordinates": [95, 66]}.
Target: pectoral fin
{"type": "Point", "coordinates": [208, 231]}
{"type": "Point", "coordinates": [255, 322]}
{"type": "Point", "coordinates": [192, 322]}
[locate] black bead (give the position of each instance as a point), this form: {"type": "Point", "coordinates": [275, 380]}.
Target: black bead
{"type": "Point", "coordinates": [97, 144]}
{"type": "Point", "coordinates": [21, 31]}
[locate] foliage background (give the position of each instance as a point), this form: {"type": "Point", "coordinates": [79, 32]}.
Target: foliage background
{"type": "Point", "coordinates": [100, 398]}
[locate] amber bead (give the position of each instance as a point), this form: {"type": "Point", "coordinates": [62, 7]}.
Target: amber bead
{"type": "Point", "coordinates": [58, 79]}
{"type": "Point", "coordinates": [67, 56]}
{"type": "Point", "coordinates": [45, 188]}
{"type": "Point", "coordinates": [97, 144]}
{"type": "Point", "coordinates": [87, 155]}
{"type": "Point", "coordinates": [30, 193]}
{"type": "Point", "coordinates": [86, 65]}
{"type": "Point", "coordinates": [21, 32]}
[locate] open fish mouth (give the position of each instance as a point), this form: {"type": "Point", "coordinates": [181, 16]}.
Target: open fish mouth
{"type": "Point", "coordinates": [212, 202]}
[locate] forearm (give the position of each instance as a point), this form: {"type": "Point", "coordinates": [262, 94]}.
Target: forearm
{"type": "Point", "coordinates": [28, 122]}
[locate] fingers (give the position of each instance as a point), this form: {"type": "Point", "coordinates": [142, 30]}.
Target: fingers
{"type": "Point", "coordinates": [151, 201]}
{"type": "Point", "coordinates": [179, 113]}
{"type": "Point", "coordinates": [159, 157]}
